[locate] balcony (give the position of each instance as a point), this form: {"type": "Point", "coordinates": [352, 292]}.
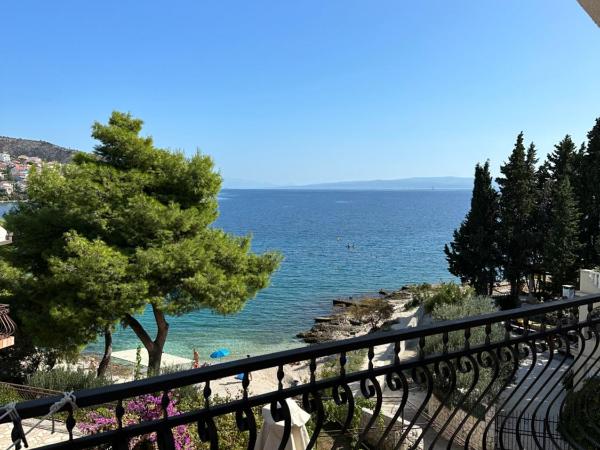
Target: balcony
{"type": "Point", "coordinates": [7, 328]}
{"type": "Point", "coordinates": [508, 380]}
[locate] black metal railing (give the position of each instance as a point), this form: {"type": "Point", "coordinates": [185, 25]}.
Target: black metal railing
{"type": "Point", "coordinates": [7, 326]}
{"type": "Point", "coordinates": [499, 380]}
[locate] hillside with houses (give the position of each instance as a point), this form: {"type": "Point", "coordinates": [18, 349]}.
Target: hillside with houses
{"type": "Point", "coordinates": [46, 151]}
{"type": "Point", "coordinates": [14, 172]}
{"type": "Point", "coordinates": [17, 158]}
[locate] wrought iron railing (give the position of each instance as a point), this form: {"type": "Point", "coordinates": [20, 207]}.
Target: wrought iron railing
{"type": "Point", "coordinates": [7, 326]}
{"type": "Point", "coordinates": [500, 380]}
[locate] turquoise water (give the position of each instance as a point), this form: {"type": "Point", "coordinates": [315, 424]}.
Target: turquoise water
{"type": "Point", "coordinates": [396, 237]}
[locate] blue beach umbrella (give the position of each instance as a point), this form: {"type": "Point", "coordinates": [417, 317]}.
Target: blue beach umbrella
{"type": "Point", "coordinates": [220, 353]}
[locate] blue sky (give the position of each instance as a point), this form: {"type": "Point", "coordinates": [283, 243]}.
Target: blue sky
{"type": "Point", "coordinates": [306, 91]}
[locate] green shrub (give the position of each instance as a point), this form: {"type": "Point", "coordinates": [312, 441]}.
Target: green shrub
{"type": "Point", "coordinates": [66, 380]}
{"type": "Point", "coordinates": [8, 394]}
{"type": "Point", "coordinates": [187, 393]}
{"type": "Point", "coordinates": [581, 414]}
{"type": "Point", "coordinates": [420, 292]}
{"type": "Point", "coordinates": [354, 362]}
{"type": "Point", "coordinates": [337, 414]}
{"type": "Point", "coordinates": [447, 294]}
{"type": "Point", "coordinates": [441, 294]}
{"type": "Point", "coordinates": [471, 306]}
{"type": "Point", "coordinates": [468, 307]}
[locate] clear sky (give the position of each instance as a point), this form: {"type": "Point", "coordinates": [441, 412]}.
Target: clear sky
{"type": "Point", "coordinates": [306, 91]}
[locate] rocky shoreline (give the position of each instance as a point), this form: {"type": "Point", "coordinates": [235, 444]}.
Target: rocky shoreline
{"type": "Point", "coordinates": [343, 324]}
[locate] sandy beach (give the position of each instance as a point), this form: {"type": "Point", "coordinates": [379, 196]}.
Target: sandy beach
{"type": "Point", "coordinates": [123, 363]}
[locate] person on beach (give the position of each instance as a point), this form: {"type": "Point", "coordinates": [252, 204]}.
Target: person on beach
{"type": "Point", "coordinates": [196, 362]}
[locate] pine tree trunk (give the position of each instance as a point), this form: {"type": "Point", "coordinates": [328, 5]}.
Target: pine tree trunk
{"type": "Point", "coordinates": [154, 357]}
{"type": "Point", "coordinates": [153, 347]}
{"type": "Point", "coordinates": [154, 360]}
{"type": "Point", "coordinates": [107, 353]}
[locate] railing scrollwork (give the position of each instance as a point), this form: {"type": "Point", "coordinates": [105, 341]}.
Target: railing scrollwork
{"type": "Point", "coordinates": [506, 385]}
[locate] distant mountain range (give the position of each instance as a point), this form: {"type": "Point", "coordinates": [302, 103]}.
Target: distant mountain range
{"type": "Point", "coordinates": [369, 185]}
{"type": "Point", "coordinates": [50, 152]}
{"type": "Point", "coordinates": [42, 149]}
{"type": "Point", "coordinates": [240, 183]}
{"type": "Point", "coordinates": [398, 184]}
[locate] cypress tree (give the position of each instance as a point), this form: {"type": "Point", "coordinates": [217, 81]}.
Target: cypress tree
{"type": "Point", "coordinates": [472, 255]}
{"type": "Point", "coordinates": [517, 207]}
{"type": "Point", "coordinates": [590, 197]}
{"type": "Point", "coordinates": [561, 214]}
{"type": "Point", "coordinates": [562, 239]}
{"type": "Point", "coordinates": [562, 161]}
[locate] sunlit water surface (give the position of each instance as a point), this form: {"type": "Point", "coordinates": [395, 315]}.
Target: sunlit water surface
{"type": "Point", "coordinates": [395, 237]}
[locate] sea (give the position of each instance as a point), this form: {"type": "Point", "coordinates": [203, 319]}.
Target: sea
{"type": "Point", "coordinates": [335, 244]}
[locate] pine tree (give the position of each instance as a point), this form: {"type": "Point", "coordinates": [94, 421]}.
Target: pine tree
{"type": "Point", "coordinates": [590, 198]}
{"type": "Point", "coordinates": [517, 206]}
{"type": "Point", "coordinates": [125, 229]}
{"type": "Point", "coordinates": [472, 255]}
{"type": "Point", "coordinates": [562, 239]}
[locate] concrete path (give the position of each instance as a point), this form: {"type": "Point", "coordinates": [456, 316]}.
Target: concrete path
{"type": "Point", "coordinates": [39, 437]}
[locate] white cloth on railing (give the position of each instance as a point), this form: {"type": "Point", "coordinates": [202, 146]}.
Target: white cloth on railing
{"type": "Point", "coordinates": [271, 433]}
{"type": "Point", "coordinates": [9, 410]}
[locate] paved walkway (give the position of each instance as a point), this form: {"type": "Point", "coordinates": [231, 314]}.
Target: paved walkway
{"type": "Point", "coordinates": [39, 437]}
{"type": "Point", "coordinates": [384, 355]}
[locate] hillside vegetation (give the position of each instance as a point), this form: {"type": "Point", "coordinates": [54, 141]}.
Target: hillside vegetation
{"type": "Point", "coordinates": [44, 150]}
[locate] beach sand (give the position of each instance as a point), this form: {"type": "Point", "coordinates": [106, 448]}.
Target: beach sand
{"type": "Point", "coordinates": [167, 359]}
{"type": "Point", "coordinates": [261, 382]}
